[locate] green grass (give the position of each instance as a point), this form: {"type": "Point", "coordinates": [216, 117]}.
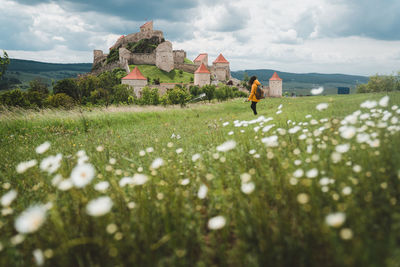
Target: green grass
{"type": "Point", "coordinates": [188, 61]}
{"type": "Point", "coordinates": [281, 223]}
{"type": "Point", "coordinates": [173, 76]}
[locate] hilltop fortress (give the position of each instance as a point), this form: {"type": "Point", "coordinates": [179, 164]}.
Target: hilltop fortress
{"type": "Point", "coordinates": [148, 47]}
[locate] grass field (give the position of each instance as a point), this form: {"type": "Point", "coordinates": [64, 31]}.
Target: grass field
{"type": "Point", "coordinates": [206, 185]}
{"type": "Point", "coordinates": [165, 77]}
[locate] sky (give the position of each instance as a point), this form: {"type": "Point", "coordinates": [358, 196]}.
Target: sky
{"type": "Point", "coordinates": [326, 36]}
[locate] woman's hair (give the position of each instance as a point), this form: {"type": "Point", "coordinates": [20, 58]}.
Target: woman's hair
{"type": "Point", "coordinates": [252, 79]}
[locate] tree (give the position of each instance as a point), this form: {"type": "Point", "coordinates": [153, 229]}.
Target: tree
{"type": "Point", "coordinates": [4, 61]}
{"type": "Point", "coordinates": [69, 87]}
{"type": "Point", "coordinates": [209, 90]}
{"type": "Point", "coordinates": [37, 85]}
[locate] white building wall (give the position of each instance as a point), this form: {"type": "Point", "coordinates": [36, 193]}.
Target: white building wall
{"type": "Point", "coordinates": [275, 88]}
{"type": "Point", "coordinates": [201, 79]}
{"type": "Point", "coordinates": [137, 86]}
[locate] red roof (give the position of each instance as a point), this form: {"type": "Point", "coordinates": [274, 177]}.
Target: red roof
{"type": "Point", "coordinates": [202, 69]}
{"type": "Point", "coordinates": [135, 74]}
{"type": "Point", "coordinates": [221, 59]}
{"type": "Point", "coordinates": [275, 77]}
{"type": "Point", "coordinates": [147, 23]}
{"type": "Point", "coordinates": [200, 57]}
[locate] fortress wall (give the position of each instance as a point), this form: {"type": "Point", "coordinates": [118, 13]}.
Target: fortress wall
{"type": "Point", "coordinates": [108, 67]}
{"type": "Point", "coordinates": [186, 67]}
{"type": "Point", "coordinates": [142, 59]}
{"type": "Point", "coordinates": [179, 56]}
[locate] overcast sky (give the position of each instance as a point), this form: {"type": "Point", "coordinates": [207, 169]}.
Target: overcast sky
{"type": "Point", "coordinates": [326, 36]}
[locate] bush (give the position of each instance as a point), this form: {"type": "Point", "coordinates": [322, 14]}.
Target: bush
{"type": "Point", "coordinates": [177, 95]}
{"type": "Point", "coordinates": [113, 55]}
{"type": "Point", "coordinates": [37, 85]}
{"type": "Point", "coordinates": [120, 93]}
{"type": "Point", "coordinates": [100, 96]}
{"type": "Point", "coordinates": [60, 100]}
{"type": "Point", "coordinates": [15, 98]}
{"type": "Point", "coordinates": [240, 94]}
{"type": "Point", "coordinates": [194, 90]}
{"type": "Point", "coordinates": [380, 83]}
{"type": "Point", "coordinates": [69, 87]}
{"type": "Point", "coordinates": [149, 96]}
{"type": "Point", "coordinates": [209, 90]}
{"type": "Point", "coordinates": [36, 99]}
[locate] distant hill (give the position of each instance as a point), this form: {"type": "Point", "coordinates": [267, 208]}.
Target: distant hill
{"type": "Point", "coordinates": [20, 72]}
{"type": "Point", "coordinates": [300, 82]}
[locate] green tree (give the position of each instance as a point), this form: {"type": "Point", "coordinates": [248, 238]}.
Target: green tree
{"type": "Point", "coordinates": [4, 62]}
{"type": "Point", "coordinates": [120, 93]}
{"type": "Point", "coordinates": [69, 87]}
{"type": "Point", "coordinates": [177, 95]}
{"type": "Point", "coordinates": [38, 85]}
{"type": "Point", "coordinates": [209, 90]}
{"type": "Point", "coordinates": [15, 98]}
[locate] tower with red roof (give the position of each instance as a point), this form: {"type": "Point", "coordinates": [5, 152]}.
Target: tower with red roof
{"type": "Point", "coordinates": [136, 80]}
{"type": "Point", "coordinates": [202, 76]}
{"type": "Point", "coordinates": [201, 58]}
{"type": "Point", "coordinates": [275, 86]}
{"type": "Point", "coordinates": [220, 69]}
{"type": "Point", "coordinates": [147, 27]}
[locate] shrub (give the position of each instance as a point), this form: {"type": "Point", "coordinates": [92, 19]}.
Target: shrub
{"type": "Point", "coordinates": [120, 94]}
{"type": "Point", "coordinates": [194, 90]}
{"type": "Point", "coordinates": [149, 96]}
{"type": "Point", "coordinates": [240, 94]}
{"type": "Point", "coordinates": [380, 83]}
{"type": "Point", "coordinates": [113, 55]}
{"type": "Point", "coordinates": [69, 87]}
{"type": "Point", "coordinates": [15, 98]}
{"type": "Point", "coordinates": [220, 94]}
{"type": "Point", "coordinates": [37, 85]}
{"type": "Point", "coordinates": [178, 95]}
{"type": "Point", "coordinates": [60, 100]}
{"type": "Point", "coordinates": [209, 90]}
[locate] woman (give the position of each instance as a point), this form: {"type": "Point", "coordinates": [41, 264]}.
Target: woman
{"type": "Point", "coordinates": [253, 82]}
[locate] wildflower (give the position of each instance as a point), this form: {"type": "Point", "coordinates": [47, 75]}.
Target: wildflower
{"type": "Point", "coordinates": [346, 234]}
{"type": "Point", "coordinates": [8, 198]}
{"type": "Point", "coordinates": [384, 101]}
{"type": "Point", "coordinates": [82, 174]}
{"type": "Point", "coordinates": [281, 131]}
{"type": "Point", "coordinates": [56, 180]}
{"type": "Point", "coordinates": [65, 185]}
{"type": "Point", "coordinates": [17, 239]}
{"type": "Point", "coordinates": [228, 145]}
{"type": "Point", "coordinates": [346, 191]}
{"type": "Point", "coordinates": [342, 148]}
{"type": "Point", "coordinates": [312, 173]}
{"type": "Point", "coordinates": [247, 188]}
{"type": "Point", "coordinates": [139, 179]}
{"type": "Point", "coordinates": [357, 168]}
{"type": "Point", "coordinates": [225, 123]}
{"type": "Point", "coordinates": [335, 219]}
{"type": "Point", "coordinates": [322, 106]}
{"type": "Point", "coordinates": [38, 256]}
{"type": "Point", "coordinates": [279, 112]}
{"type": "Point", "coordinates": [294, 129]}
{"type": "Point", "coordinates": [252, 152]}
{"type": "Point", "coordinates": [43, 147]}
{"type": "Point", "coordinates": [195, 157]}
{"type": "Point", "coordinates": [99, 206]}
{"type": "Point", "coordinates": [303, 198]}
{"type": "Point", "coordinates": [131, 205]}
{"type": "Point", "coordinates": [185, 181]}
{"type": "Point", "coordinates": [100, 148]}
{"type": "Point", "coordinates": [142, 153]}
{"type": "Point", "coordinates": [51, 163]}
{"type": "Point", "coordinates": [271, 141]}
{"type": "Point", "coordinates": [280, 106]}
{"type": "Point", "coordinates": [267, 128]}
{"type": "Point", "coordinates": [324, 181]}
{"type": "Point", "coordinates": [297, 162]}
{"type": "Point", "coordinates": [31, 219]}
{"type": "Point", "coordinates": [347, 132]}
{"type": "Point", "coordinates": [369, 104]}
{"type": "Point", "coordinates": [179, 150]}
{"type": "Point", "coordinates": [125, 180]}
{"type": "Point", "coordinates": [202, 193]}
{"type": "Point", "coordinates": [298, 173]}
{"type": "Point", "coordinates": [149, 149]}
{"type": "Point", "coordinates": [157, 163]}
{"type": "Point", "coordinates": [216, 223]}
{"type": "Point", "coordinates": [23, 166]}
{"type": "Point", "coordinates": [102, 186]}
{"type": "Point", "coordinates": [317, 91]}
{"type": "Point", "coordinates": [245, 177]}
{"type": "Point", "coordinates": [230, 133]}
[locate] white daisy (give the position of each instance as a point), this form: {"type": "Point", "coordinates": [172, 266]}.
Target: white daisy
{"type": "Point", "coordinates": [335, 219]}
{"type": "Point", "coordinates": [216, 223]}
{"type": "Point", "coordinates": [157, 163]}
{"type": "Point", "coordinates": [139, 179]}
{"type": "Point", "coordinates": [99, 206]}
{"type": "Point", "coordinates": [228, 145]}
{"type": "Point", "coordinates": [38, 256]}
{"type": "Point", "coordinates": [82, 174]}
{"type": "Point", "coordinates": [248, 188]}
{"type": "Point", "coordinates": [102, 186]}
{"type": "Point", "coordinates": [31, 219]}
{"type": "Point", "coordinates": [43, 147]}
{"type": "Point", "coordinates": [195, 157]}
{"type": "Point", "coordinates": [51, 163]}
{"type": "Point", "coordinates": [312, 173]}
{"type": "Point", "coordinates": [384, 101]}
{"type": "Point", "coordinates": [322, 106]}
{"type": "Point", "coordinates": [342, 148]}
{"type": "Point", "coordinates": [23, 166]}
{"type": "Point", "coordinates": [202, 193]}
{"type": "Point", "coordinates": [8, 198]}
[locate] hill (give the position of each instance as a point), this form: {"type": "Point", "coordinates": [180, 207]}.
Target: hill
{"type": "Point", "coordinates": [20, 72]}
{"type": "Point", "coordinates": [174, 76]}
{"type": "Point", "coordinates": [302, 82]}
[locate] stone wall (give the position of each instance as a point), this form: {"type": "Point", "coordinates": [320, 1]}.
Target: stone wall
{"type": "Point", "coordinates": [164, 56]}
{"type": "Point", "coordinates": [143, 59]}
{"type": "Point", "coordinates": [221, 71]}
{"type": "Point", "coordinates": [108, 67]}
{"type": "Point", "coordinates": [186, 67]}
{"type": "Point", "coordinates": [179, 56]}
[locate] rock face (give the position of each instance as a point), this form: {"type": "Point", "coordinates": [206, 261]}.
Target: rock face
{"type": "Point", "coordinates": [165, 57]}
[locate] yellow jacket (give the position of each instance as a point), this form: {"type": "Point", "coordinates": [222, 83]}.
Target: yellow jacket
{"type": "Point", "coordinates": [252, 96]}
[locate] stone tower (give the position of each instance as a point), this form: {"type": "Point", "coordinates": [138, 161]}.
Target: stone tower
{"type": "Point", "coordinates": [164, 56]}
{"type": "Point", "coordinates": [202, 76]}
{"type": "Point", "coordinates": [202, 58]}
{"type": "Point", "coordinates": [275, 86]}
{"type": "Point", "coordinates": [221, 70]}
{"type": "Point", "coordinates": [147, 27]}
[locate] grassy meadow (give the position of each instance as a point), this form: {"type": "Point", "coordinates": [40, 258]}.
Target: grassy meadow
{"type": "Point", "coordinates": [205, 185]}
{"type": "Point", "coordinates": [174, 76]}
